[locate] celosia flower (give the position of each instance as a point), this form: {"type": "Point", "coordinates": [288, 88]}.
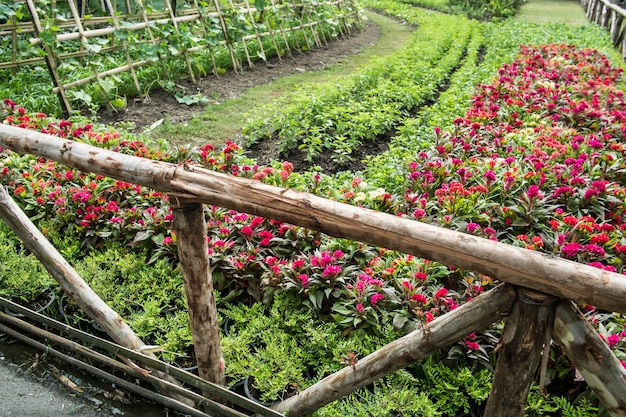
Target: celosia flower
{"type": "Point", "coordinates": [613, 339]}
{"type": "Point", "coordinates": [472, 345]}
{"type": "Point", "coordinates": [376, 298]}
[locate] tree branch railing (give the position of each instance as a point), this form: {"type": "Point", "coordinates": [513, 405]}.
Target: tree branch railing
{"type": "Point", "coordinates": [519, 267]}
{"type": "Point", "coordinates": [610, 15]}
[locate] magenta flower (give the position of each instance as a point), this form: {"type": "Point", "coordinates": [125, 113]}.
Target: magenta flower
{"type": "Point", "coordinates": [533, 191]}
{"type": "Point", "coordinates": [304, 280]}
{"type": "Point", "coordinates": [570, 250]}
{"type": "Point", "coordinates": [331, 271]}
{"type": "Point", "coordinates": [472, 345]}
{"type": "Point", "coordinates": [472, 227]}
{"type": "Point", "coordinates": [376, 298]}
{"type": "Point", "coordinates": [360, 309]}
{"type": "Point", "coordinates": [613, 339]}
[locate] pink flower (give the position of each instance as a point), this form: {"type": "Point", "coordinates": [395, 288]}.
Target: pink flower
{"type": "Point", "coordinates": [419, 298]}
{"type": "Point", "coordinates": [570, 250]}
{"type": "Point", "coordinates": [331, 271]}
{"type": "Point", "coordinates": [613, 339]}
{"type": "Point", "coordinates": [360, 309]}
{"type": "Point", "coordinates": [472, 227]}
{"type": "Point", "coordinates": [472, 345]}
{"type": "Point", "coordinates": [376, 298]}
{"type": "Point", "coordinates": [533, 191]}
{"type": "Point", "coordinates": [167, 240]}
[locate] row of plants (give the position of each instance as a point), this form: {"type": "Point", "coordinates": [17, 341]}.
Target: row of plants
{"type": "Point", "coordinates": [332, 123]}
{"type": "Point", "coordinates": [243, 36]}
{"type": "Point", "coordinates": [347, 297]}
{"type": "Point", "coordinates": [474, 9]}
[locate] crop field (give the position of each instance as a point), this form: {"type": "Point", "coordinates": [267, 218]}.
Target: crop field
{"type": "Point", "coordinates": [505, 129]}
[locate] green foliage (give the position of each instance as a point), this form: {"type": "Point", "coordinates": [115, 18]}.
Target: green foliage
{"type": "Point", "coordinates": [22, 276]}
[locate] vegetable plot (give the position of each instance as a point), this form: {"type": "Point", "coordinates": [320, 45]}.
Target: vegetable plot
{"type": "Point", "coordinates": [106, 56]}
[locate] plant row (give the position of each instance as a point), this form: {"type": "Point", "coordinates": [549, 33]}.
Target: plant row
{"type": "Point", "coordinates": [335, 122]}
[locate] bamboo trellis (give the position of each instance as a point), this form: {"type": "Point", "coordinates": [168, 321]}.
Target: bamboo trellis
{"type": "Point", "coordinates": [146, 35]}
{"type": "Point", "coordinates": [537, 297]}
{"type": "Point", "coordinates": [608, 15]}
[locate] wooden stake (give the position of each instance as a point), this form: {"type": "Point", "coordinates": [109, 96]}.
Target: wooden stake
{"type": "Point", "coordinates": [470, 317]}
{"type": "Point", "coordinates": [592, 357]}
{"type": "Point", "coordinates": [192, 245]}
{"type": "Point", "coordinates": [520, 347]}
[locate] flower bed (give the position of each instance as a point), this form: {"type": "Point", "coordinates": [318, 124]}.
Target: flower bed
{"type": "Point", "coordinates": [535, 162]}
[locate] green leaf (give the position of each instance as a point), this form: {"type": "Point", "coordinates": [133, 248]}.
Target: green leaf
{"type": "Point", "coordinates": [259, 5]}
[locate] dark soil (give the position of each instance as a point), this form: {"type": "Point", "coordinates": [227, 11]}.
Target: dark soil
{"type": "Point", "coordinates": [162, 104]}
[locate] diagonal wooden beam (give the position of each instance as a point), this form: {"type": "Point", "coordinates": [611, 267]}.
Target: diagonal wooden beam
{"type": "Point", "coordinates": [542, 272]}
{"type": "Point", "coordinates": [441, 332]}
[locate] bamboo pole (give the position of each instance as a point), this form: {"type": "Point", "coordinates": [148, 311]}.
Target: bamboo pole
{"type": "Point", "coordinates": [470, 317]}
{"type": "Point", "coordinates": [519, 266]}
{"type": "Point", "coordinates": [592, 357]}
{"type": "Point", "coordinates": [142, 358]}
{"type": "Point", "coordinates": [192, 245]}
{"type": "Point", "coordinates": [50, 61]}
{"type": "Point", "coordinates": [521, 344]}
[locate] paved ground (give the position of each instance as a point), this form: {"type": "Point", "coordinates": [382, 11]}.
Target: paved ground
{"type": "Point", "coordinates": [24, 395]}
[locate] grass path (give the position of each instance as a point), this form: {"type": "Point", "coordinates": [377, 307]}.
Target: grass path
{"type": "Point", "coordinates": [543, 11]}
{"type": "Point", "coordinates": [221, 122]}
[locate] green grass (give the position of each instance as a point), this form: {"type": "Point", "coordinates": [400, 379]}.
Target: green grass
{"type": "Point", "coordinates": [222, 122]}
{"type": "Point", "coordinates": [544, 11]}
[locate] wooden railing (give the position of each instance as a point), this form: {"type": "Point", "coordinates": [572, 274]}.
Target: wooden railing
{"type": "Point", "coordinates": [538, 293]}
{"type": "Point", "coordinates": [611, 16]}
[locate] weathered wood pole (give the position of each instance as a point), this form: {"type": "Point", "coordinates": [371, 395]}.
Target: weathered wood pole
{"type": "Point", "coordinates": [71, 282]}
{"type": "Point", "coordinates": [520, 347]}
{"type": "Point", "coordinates": [592, 357]}
{"type": "Point", "coordinates": [470, 317]}
{"type": "Point", "coordinates": [191, 239]}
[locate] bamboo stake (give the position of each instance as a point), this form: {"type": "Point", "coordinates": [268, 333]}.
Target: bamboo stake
{"type": "Point", "coordinates": [129, 61]}
{"type": "Point", "coordinates": [519, 266]}
{"type": "Point", "coordinates": [50, 61]}
{"type": "Point", "coordinates": [193, 254]}
{"type": "Point", "coordinates": [470, 317]}
{"type": "Point", "coordinates": [186, 56]}
{"type": "Point", "coordinates": [521, 344]}
{"type": "Point", "coordinates": [592, 357]}
{"type": "Point", "coordinates": [233, 57]}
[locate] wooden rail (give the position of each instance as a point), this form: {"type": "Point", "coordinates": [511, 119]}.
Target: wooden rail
{"type": "Point", "coordinates": [538, 280]}
{"type": "Point", "coordinates": [608, 15]}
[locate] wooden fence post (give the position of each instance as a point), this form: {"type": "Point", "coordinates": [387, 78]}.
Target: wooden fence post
{"type": "Point", "coordinates": [521, 344]}
{"type": "Point", "coordinates": [191, 239]}
{"type": "Point", "coordinates": [592, 357]}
